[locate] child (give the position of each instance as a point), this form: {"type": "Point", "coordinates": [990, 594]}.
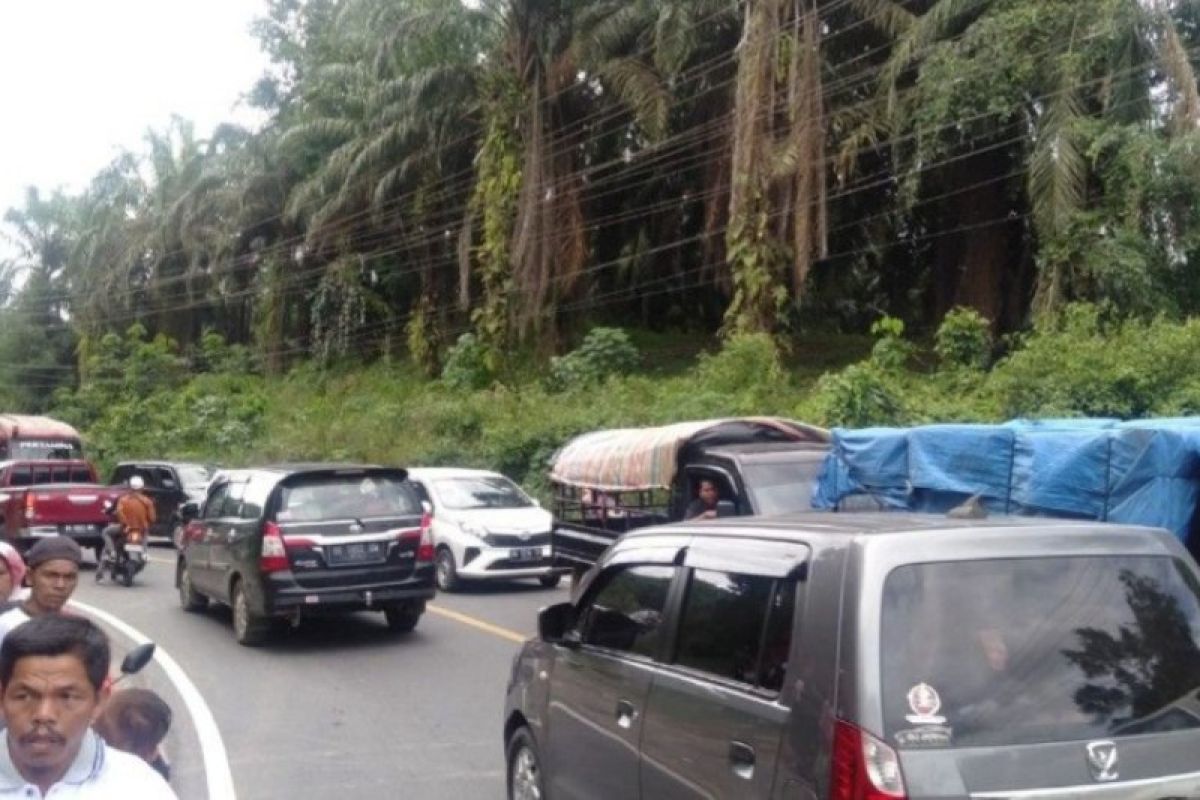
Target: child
{"type": "Point", "coordinates": [137, 721]}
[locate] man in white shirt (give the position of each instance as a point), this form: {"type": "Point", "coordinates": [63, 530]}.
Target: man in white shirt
{"type": "Point", "coordinates": [52, 673]}
{"type": "Point", "coordinates": [53, 574]}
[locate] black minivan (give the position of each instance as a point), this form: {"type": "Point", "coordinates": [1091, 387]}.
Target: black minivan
{"type": "Point", "coordinates": [286, 542]}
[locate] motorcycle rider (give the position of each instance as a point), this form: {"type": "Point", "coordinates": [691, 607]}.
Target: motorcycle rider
{"type": "Point", "coordinates": [135, 514]}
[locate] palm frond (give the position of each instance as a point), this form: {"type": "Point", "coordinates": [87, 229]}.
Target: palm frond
{"type": "Point", "coordinates": [1181, 76]}
{"type": "Point", "coordinates": [326, 129]}
{"type": "Point", "coordinates": [1057, 182]}
{"type": "Point", "coordinates": [887, 15]}
{"type": "Point", "coordinates": [640, 87]}
{"type": "Point", "coordinates": [942, 20]}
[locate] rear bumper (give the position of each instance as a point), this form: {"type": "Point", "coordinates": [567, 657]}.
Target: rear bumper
{"type": "Point", "coordinates": [84, 535]}
{"type": "Point", "coordinates": [285, 598]}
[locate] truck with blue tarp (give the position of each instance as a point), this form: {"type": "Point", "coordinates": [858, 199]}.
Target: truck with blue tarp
{"type": "Point", "coordinates": [1144, 472]}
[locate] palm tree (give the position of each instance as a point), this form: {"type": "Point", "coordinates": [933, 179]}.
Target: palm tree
{"type": "Point", "coordinates": [1001, 110]}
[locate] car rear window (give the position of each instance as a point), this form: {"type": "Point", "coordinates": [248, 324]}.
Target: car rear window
{"type": "Point", "coordinates": [338, 497]}
{"type": "Point", "coordinates": [1021, 651]}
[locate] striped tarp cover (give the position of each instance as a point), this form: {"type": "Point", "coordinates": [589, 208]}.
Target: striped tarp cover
{"type": "Point", "coordinates": [632, 459]}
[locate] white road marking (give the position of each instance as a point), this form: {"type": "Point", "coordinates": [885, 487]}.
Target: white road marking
{"type": "Point", "coordinates": [212, 747]}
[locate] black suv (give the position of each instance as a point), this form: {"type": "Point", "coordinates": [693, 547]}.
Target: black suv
{"type": "Point", "coordinates": [859, 657]}
{"type": "Point", "coordinates": [292, 541]}
{"type": "Point", "coordinates": [170, 484]}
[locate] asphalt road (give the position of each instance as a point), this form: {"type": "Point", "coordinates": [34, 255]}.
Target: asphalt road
{"type": "Point", "coordinates": [339, 708]}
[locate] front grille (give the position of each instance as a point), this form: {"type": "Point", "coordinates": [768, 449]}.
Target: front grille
{"type": "Point", "coordinates": [512, 540]}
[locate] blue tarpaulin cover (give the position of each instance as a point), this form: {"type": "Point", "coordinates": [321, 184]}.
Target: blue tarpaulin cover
{"type": "Point", "coordinates": [1144, 472]}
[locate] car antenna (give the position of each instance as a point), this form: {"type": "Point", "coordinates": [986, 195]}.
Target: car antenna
{"type": "Point", "coordinates": [972, 508]}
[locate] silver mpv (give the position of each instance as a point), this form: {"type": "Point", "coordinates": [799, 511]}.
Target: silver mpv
{"type": "Point", "coordinates": [862, 657]}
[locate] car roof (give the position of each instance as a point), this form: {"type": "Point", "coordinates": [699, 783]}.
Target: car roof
{"type": "Point", "coordinates": [287, 470]}
{"type": "Point", "coordinates": [148, 462]}
{"type": "Point", "coordinates": [430, 473]}
{"type": "Point", "coordinates": [894, 529]}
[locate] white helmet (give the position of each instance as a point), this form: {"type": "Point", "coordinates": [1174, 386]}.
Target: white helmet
{"type": "Point", "coordinates": [136, 483]}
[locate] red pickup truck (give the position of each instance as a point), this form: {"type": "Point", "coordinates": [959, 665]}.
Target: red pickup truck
{"type": "Point", "coordinates": [49, 498]}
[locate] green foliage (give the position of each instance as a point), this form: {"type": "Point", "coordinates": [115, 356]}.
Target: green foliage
{"type": "Point", "coordinates": [890, 352]}
{"type": "Point", "coordinates": [467, 364]}
{"type": "Point", "coordinates": [964, 340]}
{"type": "Point", "coordinates": [603, 352]}
{"type": "Point", "coordinates": [859, 396]}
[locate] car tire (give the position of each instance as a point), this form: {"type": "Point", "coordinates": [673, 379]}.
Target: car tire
{"type": "Point", "coordinates": [189, 598]}
{"type": "Point", "coordinates": [447, 571]}
{"type": "Point", "coordinates": [403, 618]}
{"type": "Point", "coordinates": [550, 581]}
{"type": "Point", "coordinates": [524, 767]}
{"type": "Point", "coordinates": [249, 629]}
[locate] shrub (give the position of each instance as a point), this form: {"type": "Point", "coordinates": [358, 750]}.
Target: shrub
{"type": "Point", "coordinates": [603, 352]}
{"type": "Point", "coordinates": [859, 396]}
{"type": "Point", "coordinates": [466, 365]}
{"type": "Point", "coordinates": [964, 340]}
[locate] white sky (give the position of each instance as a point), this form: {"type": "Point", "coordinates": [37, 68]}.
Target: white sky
{"type": "Point", "coordinates": [79, 79]}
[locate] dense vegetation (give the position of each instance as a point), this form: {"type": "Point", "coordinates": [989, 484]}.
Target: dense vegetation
{"type": "Point", "coordinates": [434, 246]}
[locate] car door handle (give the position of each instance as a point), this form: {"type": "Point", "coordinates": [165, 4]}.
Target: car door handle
{"type": "Point", "coordinates": [741, 760]}
{"type": "Point", "coordinates": [626, 714]}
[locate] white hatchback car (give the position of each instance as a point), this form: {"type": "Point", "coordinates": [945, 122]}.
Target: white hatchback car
{"type": "Point", "coordinates": [485, 528]}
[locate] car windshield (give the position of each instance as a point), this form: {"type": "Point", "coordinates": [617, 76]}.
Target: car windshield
{"type": "Point", "coordinates": [463, 494]}
{"type": "Point", "coordinates": [1021, 651]}
{"type": "Point", "coordinates": [338, 497]}
{"type": "Point", "coordinates": [194, 476]}
{"type": "Point", "coordinates": [781, 487]}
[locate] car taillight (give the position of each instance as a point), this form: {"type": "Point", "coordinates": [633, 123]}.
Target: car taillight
{"type": "Point", "coordinates": [864, 768]}
{"type": "Point", "coordinates": [30, 505]}
{"type": "Point", "coordinates": [425, 548]}
{"type": "Point", "coordinates": [274, 552]}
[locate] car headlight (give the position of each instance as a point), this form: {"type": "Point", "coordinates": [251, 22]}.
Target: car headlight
{"type": "Point", "coordinates": [472, 529]}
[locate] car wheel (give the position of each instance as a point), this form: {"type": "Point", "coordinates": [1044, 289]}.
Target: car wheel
{"type": "Point", "coordinates": [403, 618]}
{"type": "Point", "coordinates": [189, 598]}
{"type": "Point", "coordinates": [248, 628]}
{"type": "Point", "coordinates": [550, 581]}
{"type": "Point", "coordinates": [447, 571]}
{"type": "Point", "coordinates": [524, 767]}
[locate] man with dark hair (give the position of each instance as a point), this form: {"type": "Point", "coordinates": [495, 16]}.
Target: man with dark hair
{"type": "Point", "coordinates": [705, 504]}
{"type": "Point", "coordinates": [52, 673]}
{"type": "Point", "coordinates": [53, 574]}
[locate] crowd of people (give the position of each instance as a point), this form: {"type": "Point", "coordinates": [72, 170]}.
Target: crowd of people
{"type": "Point", "coordinates": [68, 734]}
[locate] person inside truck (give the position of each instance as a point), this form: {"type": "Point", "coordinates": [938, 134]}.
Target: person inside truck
{"type": "Point", "coordinates": [705, 504]}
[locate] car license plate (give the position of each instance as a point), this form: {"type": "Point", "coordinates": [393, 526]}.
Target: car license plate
{"type": "Point", "coordinates": [356, 553]}
{"type": "Point", "coordinates": [77, 530]}
{"type": "Point", "coordinates": [524, 554]}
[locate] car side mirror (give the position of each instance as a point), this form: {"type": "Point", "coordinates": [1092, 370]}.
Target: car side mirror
{"type": "Point", "coordinates": [726, 508]}
{"type": "Point", "coordinates": [556, 622]}
{"type": "Point", "coordinates": [189, 511]}
{"type": "Point", "coordinates": [137, 658]}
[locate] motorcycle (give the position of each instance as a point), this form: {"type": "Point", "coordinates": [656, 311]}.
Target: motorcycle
{"type": "Point", "coordinates": [122, 563]}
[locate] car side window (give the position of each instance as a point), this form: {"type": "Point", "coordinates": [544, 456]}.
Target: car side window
{"type": "Point", "coordinates": [121, 475]}
{"type": "Point", "coordinates": [233, 500]}
{"type": "Point", "coordinates": [164, 478]}
{"type": "Point", "coordinates": [626, 612]}
{"type": "Point", "coordinates": [254, 500]}
{"type": "Point", "coordinates": [215, 507]}
{"type": "Point", "coordinates": [737, 627]}
{"type": "Point", "coordinates": [21, 476]}
{"type": "Point", "coordinates": [422, 492]}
